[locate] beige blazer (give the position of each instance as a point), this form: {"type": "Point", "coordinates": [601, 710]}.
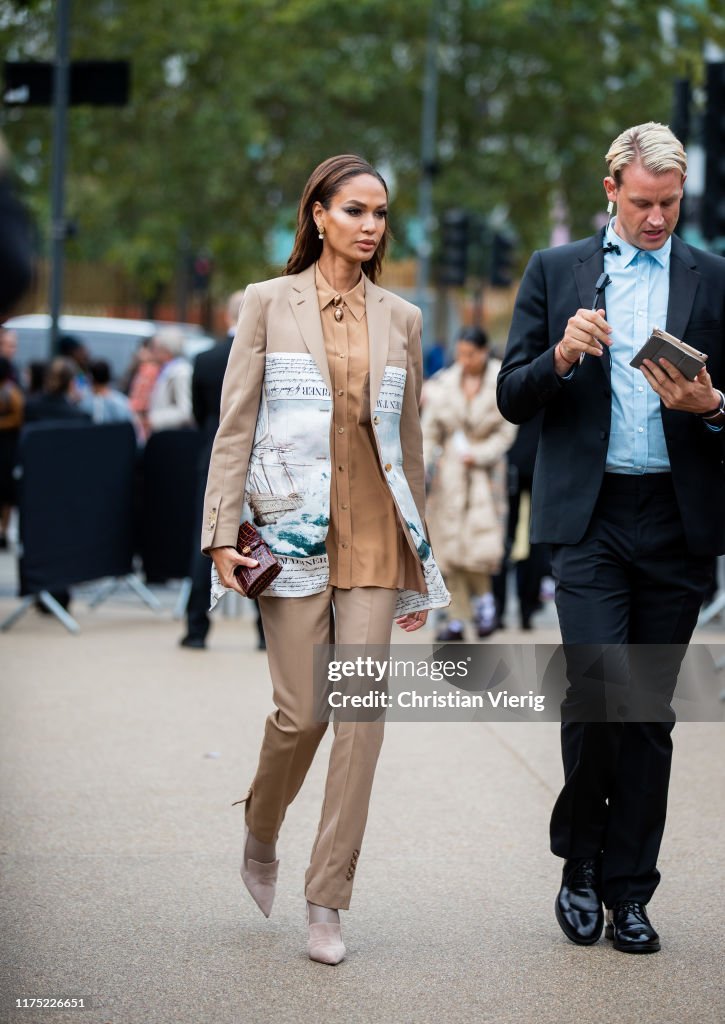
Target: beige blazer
{"type": "Point", "coordinates": [270, 462]}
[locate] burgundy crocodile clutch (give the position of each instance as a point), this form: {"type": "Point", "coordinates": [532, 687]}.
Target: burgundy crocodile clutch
{"type": "Point", "coordinates": [254, 581]}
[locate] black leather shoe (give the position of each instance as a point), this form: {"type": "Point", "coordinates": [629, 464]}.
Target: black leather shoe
{"type": "Point", "coordinates": [630, 929]}
{"type": "Point", "coordinates": [578, 906]}
{"type": "Point", "coordinates": [197, 643]}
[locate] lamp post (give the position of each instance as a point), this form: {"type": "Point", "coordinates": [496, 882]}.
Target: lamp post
{"type": "Point", "coordinates": [61, 78]}
{"type": "Point", "coordinates": [428, 157]}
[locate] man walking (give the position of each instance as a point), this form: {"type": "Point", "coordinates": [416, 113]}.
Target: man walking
{"type": "Point", "coordinates": [629, 489]}
{"type": "Point", "coordinates": [206, 392]}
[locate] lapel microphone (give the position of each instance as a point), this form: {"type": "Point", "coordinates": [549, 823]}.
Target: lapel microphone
{"type": "Point", "coordinates": [602, 281]}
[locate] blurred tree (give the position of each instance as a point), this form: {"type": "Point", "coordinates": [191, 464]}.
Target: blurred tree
{"type": "Point", "coordinates": [234, 104]}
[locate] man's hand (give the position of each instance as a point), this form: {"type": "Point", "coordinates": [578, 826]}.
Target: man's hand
{"type": "Point", "coordinates": [676, 391]}
{"type": "Point", "coordinates": [587, 332]}
{"type": "Point", "coordinates": [226, 560]}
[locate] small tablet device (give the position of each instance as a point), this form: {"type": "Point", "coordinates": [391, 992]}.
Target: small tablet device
{"type": "Point", "coordinates": [660, 345]}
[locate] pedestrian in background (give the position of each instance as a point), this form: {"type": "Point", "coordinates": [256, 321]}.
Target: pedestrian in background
{"type": "Point", "coordinates": [102, 402]}
{"type": "Point", "coordinates": [170, 402]}
{"type": "Point", "coordinates": [9, 349]}
{"type": "Point", "coordinates": [139, 385]}
{"type": "Point", "coordinates": [206, 393]}
{"type": "Point", "coordinates": [59, 397]}
{"type": "Point", "coordinates": [530, 562]}
{"type": "Point", "coordinates": [465, 440]}
{"type": "Point", "coordinates": [319, 444]}
{"type": "Point", "coordinates": [11, 420]}
{"type": "Point", "coordinates": [73, 349]}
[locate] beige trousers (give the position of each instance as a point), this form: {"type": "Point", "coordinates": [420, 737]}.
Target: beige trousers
{"type": "Point", "coordinates": [464, 585]}
{"type": "Point", "coordinates": [292, 625]}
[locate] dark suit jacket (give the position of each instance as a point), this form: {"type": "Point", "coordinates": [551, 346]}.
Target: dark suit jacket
{"type": "Point", "coordinates": [206, 394]}
{"type": "Point", "coordinates": [575, 430]}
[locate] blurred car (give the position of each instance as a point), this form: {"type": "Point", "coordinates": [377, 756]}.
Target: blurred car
{"type": "Point", "coordinates": [109, 338]}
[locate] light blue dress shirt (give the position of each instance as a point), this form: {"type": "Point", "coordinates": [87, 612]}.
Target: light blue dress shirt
{"type": "Point", "coordinates": [636, 301]}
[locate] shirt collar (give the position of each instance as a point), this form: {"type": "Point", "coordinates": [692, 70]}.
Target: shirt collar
{"type": "Point", "coordinates": [629, 253]}
{"type": "Point", "coordinates": [354, 299]}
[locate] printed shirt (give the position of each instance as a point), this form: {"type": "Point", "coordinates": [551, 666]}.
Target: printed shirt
{"type": "Point", "coordinates": [364, 538]}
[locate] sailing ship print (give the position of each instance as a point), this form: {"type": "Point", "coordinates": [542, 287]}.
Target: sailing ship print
{"type": "Point", "coordinates": [271, 487]}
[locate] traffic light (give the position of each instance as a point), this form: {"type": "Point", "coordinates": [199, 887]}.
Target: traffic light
{"type": "Point", "coordinates": [713, 200]}
{"type": "Point", "coordinates": [201, 269]}
{"type": "Point", "coordinates": [502, 256]}
{"type": "Point", "coordinates": [453, 262]}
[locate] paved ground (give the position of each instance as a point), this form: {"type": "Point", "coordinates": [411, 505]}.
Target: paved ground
{"type": "Point", "coordinates": [121, 755]}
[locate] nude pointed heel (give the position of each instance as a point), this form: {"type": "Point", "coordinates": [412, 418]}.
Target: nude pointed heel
{"type": "Point", "coordinates": [260, 878]}
{"type": "Point", "coordinates": [324, 942]}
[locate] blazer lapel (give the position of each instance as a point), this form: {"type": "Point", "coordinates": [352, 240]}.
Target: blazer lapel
{"type": "Point", "coordinates": [306, 310]}
{"type": "Point", "coordinates": [586, 273]}
{"type": "Point", "coordinates": [377, 312]}
{"type": "Point", "coordinates": [684, 281]}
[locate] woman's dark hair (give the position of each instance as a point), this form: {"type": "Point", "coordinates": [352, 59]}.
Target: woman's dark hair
{"type": "Point", "coordinates": [476, 335]}
{"type": "Point", "coordinates": [100, 372]}
{"type": "Point", "coordinates": [6, 369]}
{"type": "Point", "coordinates": [322, 185]}
{"type": "Point", "coordinates": [36, 376]}
{"type": "Point", "coordinates": [59, 375]}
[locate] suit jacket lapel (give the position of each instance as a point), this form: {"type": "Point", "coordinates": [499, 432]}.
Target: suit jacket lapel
{"type": "Point", "coordinates": [306, 310]}
{"type": "Point", "coordinates": [684, 281]}
{"type": "Point", "coordinates": [586, 273]}
{"type": "Point", "coordinates": [587, 270]}
{"type": "Point", "coordinates": [377, 312]}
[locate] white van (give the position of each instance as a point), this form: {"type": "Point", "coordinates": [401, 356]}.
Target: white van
{"type": "Point", "coordinates": [109, 338]}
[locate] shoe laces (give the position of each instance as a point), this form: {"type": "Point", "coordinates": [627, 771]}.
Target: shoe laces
{"type": "Point", "coordinates": [633, 907]}
{"type": "Point", "coordinates": [585, 873]}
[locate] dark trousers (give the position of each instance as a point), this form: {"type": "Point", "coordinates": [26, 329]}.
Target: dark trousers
{"type": "Point", "coordinates": [630, 580]}
{"type": "Point", "coordinates": [529, 572]}
{"type": "Point", "coordinates": [197, 609]}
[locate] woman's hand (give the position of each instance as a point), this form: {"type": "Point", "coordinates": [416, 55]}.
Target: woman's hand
{"type": "Point", "coordinates": [226, 559]}
{"type": "Point", "coordinates": [412, 621]}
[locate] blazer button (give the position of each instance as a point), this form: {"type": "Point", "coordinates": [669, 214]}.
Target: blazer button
{"type": "Point", "coordinates": [603, 434]}
{"type": "Point", "coordinates": [388, 467]}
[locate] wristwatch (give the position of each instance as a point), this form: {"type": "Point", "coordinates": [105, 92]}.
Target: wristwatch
{"type": "Point", "coordinates": [714, 413]}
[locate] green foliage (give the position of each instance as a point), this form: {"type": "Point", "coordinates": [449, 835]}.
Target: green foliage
{"type": "Point", "coordinates": [234, 103]}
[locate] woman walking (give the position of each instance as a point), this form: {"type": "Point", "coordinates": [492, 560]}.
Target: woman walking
{"type": "Point", "coordinates": [319, 445]}
{"type": "Point", "coordinates": [466, 439]}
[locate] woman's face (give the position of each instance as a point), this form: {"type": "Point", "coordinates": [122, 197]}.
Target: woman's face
{"type": "Point", "coordinates": [470, 357]}
{"type": "Point", "coordinates": [356, 219]}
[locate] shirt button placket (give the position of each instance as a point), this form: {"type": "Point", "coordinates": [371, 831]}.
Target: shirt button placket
{"type": "Point", "coordinates": [342, 453]}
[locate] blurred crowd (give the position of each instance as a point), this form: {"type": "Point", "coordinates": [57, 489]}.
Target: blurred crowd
{"type": "Point", "coordinates": [154, 394]}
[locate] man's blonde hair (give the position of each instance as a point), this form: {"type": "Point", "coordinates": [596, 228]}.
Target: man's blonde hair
{"type": "Point", "coordinates": [654, 145]}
